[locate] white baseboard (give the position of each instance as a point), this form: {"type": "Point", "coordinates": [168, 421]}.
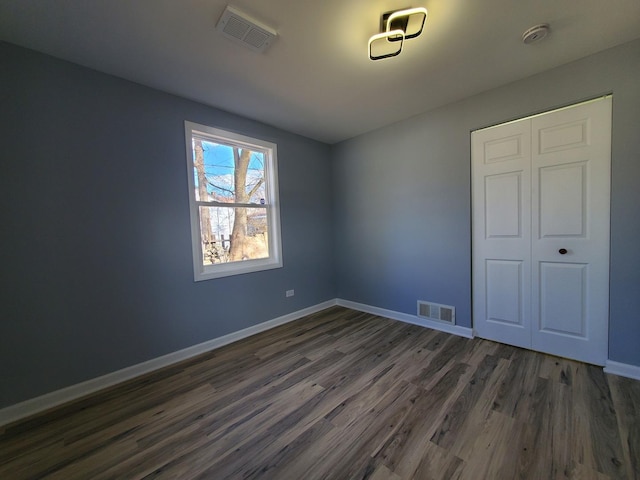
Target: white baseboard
{"type": "Point", "coordinates": [622, 369]}
{"type": "Point", "coordinates": [615, 368]}
{"type": "Point", "coordinates": [405, 317]}
{"type": "Point", "coordinates": [73, 392]}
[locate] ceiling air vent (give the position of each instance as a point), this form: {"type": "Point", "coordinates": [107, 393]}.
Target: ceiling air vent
{"type": "Point", "coordinates": [244, 30]}
{"type": "Point", "coordinates": [435, 311]}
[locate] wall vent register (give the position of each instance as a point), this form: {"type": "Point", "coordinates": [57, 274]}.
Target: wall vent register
{"type": "Point", "coordinates": [436, 311]}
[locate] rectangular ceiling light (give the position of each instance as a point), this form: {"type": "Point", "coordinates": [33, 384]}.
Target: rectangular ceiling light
{"type": "Point", "coordinates": [243, 29]}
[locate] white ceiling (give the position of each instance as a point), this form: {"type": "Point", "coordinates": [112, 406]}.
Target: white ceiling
{"type": "Point", "coordinates": [316, 78]}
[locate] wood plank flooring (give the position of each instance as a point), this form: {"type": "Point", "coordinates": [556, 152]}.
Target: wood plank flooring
{"type": "Point", "coordinates": [343, 395]}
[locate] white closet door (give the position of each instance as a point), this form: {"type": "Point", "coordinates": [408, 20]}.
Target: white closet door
{"type": "Point", "coordinates": [541, 190]}
{"type": "Point", "coordinates": [571, 161]}
{"type": "Point", "coordinates": [502, 233]}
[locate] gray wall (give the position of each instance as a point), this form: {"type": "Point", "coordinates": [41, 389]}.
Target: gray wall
{"type": "Point", "coordinates": [96, 270]}
{"type": "Point", "coordinates": [96, 256]}
{"type": "Point", "coordinates": [402, 195]}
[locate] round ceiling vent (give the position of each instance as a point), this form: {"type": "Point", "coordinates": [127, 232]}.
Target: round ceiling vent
{"type": "Point", "coordinates": [535, 34]}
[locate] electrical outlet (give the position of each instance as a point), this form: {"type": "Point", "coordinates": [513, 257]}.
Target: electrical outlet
{"type": "Point", "coordinates": [290, 293]}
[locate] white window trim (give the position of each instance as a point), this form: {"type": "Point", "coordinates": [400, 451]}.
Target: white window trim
{"type": "Point", "coordinates": [207, 272]}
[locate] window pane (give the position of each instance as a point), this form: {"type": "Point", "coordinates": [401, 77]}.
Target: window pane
{"type": "Point", "coordinates": [230, 170]}
{"type": "Point", "coordinates": [233, 234]}
{"type": "Point", "coordinates": [227, 174]}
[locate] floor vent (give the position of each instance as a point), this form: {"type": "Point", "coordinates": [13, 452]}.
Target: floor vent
{"type": "Point", "coordinates": [244, 30]}
{"type": "Point", "coordinates": [435, 311]}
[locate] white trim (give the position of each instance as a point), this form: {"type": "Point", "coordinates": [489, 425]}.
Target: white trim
{"type": "Point", "coordinates": [44, 402]}
{"type": "Point", "coordinates": [405, 317]}
{"type": "Point", "coordinates": [35, 405]}
{"type": "Point", "coordinates": [622, 369]}
{"type": "Point", "coordinates": [73, 392]}
{"type": "Point", "coordinates": [272, 207]}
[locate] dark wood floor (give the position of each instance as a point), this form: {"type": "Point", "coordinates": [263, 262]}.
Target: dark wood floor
{"type": "Point", "coordinates": [343, 395]}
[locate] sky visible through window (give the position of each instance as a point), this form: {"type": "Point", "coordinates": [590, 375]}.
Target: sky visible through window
{"type": "Point", "coordinates": [219, 169]}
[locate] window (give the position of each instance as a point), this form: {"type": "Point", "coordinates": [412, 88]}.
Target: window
{"type": "Point", "coordinates": [233, 196]}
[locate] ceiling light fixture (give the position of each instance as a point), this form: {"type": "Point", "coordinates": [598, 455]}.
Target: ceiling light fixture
{"type": "Point", "coordinates": [396, 27]}
{"type": "Point", "coordinates": [386, 44]}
